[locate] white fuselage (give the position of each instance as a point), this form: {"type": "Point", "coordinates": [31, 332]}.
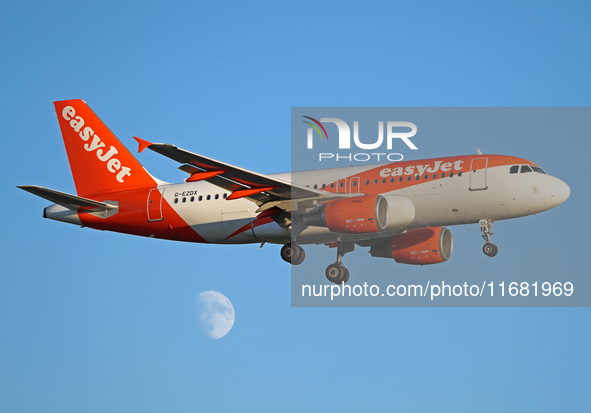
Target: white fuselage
{"type": "Point", "coordinates": [493, 193]}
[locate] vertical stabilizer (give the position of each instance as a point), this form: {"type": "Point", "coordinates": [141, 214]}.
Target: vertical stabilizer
{"type": "Point", "coordinates": [99, 161]}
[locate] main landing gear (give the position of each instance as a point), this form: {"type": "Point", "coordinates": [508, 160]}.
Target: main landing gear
{"type": "Point", "coordinates": [295, 254]}
{"type": "Point", "coordinates": [489, 249]}
{"type": "Point", "coordinates": [336, 272]}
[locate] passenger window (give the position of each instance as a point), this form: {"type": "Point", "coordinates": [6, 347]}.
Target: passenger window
{"type": "Point", "coordinates": [434, 176]}
{"type": "Point", "coordinates": [176, 200]}
{"type": "Point", "coordinates": [201, 197]}
{"type": "Point", "coordinates": [192, 198]}
{"type": "Point", "coordinates": [367, 182]}
{"type": "Point", "coordinates": [184, 199]}
{"type": "Point", "coordinates": [409, 178]}
{"type": "Point", "coordinates": [208, 197]}
{"type": "Point", "coordinates": [323, 186]}
{"type": "Point", "coordinates": [514, 169]}
{"type": "Point", "coordinates": [392, 180]}
{"type": "Point", "coordinates": [451, 174]}
{"type": "Point", "coordinates": [417, 177]}
{"type": "Point", "coordinates": [225, 196]}
{"type": "Point", "coordinates": [443, 175]}
{"type": "Point", "coordinates": [341, 184]}
{"type": "Point", "coordinates": [315, 186]}
{"type": "Point", "coordinates": [332, 185]}
{"type": "Point", "coordinates": [217, 196]}
{"type": "Point", "coordinates": [375, 181]}
{"type": "Point", "coordinates": [354, 183]}
{"type": "Point", "coordinates": [426, 176]}
{"type": "Point", "coordinates": [460, 173]}
{"type": "Point", "coordinates": [400, 179]}
{"type": "Point", "coordinates": [525, 168]}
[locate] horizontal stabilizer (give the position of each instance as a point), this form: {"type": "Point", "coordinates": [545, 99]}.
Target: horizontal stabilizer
{"type": "Point", "coordinates": [66, 200]}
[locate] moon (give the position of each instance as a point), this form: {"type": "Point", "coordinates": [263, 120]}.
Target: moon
{"type": "Point", "coordinates": [215, 314]}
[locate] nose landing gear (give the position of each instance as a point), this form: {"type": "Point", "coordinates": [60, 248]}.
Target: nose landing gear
{"type": "Point", "coordinates": [489, 249]}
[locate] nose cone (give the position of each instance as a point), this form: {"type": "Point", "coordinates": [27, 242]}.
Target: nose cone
{"type": "Point", "coordinates": [559, 193]}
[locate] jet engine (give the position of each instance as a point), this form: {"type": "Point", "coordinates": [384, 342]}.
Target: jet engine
{"type": "Point", "coordinates": [362, 214]}
{"type": "Point", "coordinates": [418, 247]}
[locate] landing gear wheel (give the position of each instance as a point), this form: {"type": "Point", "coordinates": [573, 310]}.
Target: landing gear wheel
{"type": "Point", "coordinates": [346, 277]}
{"type": "Point", "coordinates": [490, 249]}
{"type": "Point", "coordinates": [337, 273]}
{"type": "Point", "coordinates": [301, 256]}
{"type": "Point", "coordinates": [288, 253]}
{"type": "Point", "coordinates": [295, 255]}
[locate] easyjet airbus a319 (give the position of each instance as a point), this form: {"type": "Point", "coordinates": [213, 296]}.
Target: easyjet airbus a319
{"type": "Point", "coordinates": [397, 210]}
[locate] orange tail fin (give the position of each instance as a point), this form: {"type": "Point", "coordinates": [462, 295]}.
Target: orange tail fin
{"type": "Point", "coordinates": [99, 162]}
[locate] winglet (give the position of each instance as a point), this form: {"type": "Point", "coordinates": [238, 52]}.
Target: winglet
{"type": "Point", "coordinates": [143, 144]}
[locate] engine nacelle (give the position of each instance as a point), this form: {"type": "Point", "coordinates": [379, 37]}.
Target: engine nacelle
{"type": "Point", "coordinates": [418, 247]}
{"type": "Point", "coordinates": [362, 214]}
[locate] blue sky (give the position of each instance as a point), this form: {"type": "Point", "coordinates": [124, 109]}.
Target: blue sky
{"type": "Point", "coordinates": [95, 321]}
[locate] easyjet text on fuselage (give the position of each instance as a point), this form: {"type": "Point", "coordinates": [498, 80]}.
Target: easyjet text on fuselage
{"type": "Point", "coordinates": [421, 169]}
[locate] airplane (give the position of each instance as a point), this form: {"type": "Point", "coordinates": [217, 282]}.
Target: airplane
{"type": "Point", "coordinates": [399, 210]}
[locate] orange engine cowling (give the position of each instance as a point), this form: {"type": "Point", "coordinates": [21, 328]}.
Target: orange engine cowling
{"type": "Point", "coordinates": [418, 247]}
{"type": "Point", "coordinates": [368, 213]}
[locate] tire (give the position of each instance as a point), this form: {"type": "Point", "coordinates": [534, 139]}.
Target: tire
{"type": "Point", "coordinates": [335, 273]}
{"type": "Point", "coordinates": [495, 251]}
{"type": "Point", "coordinates": [346, 277]}
{"type": "Point", "coordinates": [290, 254]}
{"type": "Point", "coordinates": [301, 256]}
{"type": "Point", "coordinates": [490, 249]}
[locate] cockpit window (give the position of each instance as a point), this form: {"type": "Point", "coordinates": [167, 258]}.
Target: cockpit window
{"type": "Point", "coordinates": [525, 168]}
{"type": "Point", "coordinates": [514, 169]}
{"type": "Point", "coordinates": [538, 169]}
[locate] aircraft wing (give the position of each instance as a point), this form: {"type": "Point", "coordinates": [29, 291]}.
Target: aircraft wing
{"type": "Point", "coordinates": [267, 192]}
